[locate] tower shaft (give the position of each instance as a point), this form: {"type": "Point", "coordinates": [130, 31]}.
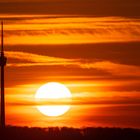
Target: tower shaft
{"type": "Point", "coordinates": [2, 64]}
{"type": "Point", "coordinates": [2, 98]}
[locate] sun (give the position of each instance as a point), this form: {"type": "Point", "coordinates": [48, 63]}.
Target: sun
{"type": "Point", "coordinates": [53, 91]}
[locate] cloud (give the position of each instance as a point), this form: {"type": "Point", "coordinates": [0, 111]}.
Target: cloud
{"type": "Point", "coordinates": [31, 59]}
{"type": "Point", "coordinates": [71, 30]}
{"type": "Point", "coordinates": [72, 7]}
{"type": "Point", "coordinates": [123, 53]}
{"type": "Point", "coordinates": [124, 100]}
{"type": "Point", "coordinates": [114, 68]}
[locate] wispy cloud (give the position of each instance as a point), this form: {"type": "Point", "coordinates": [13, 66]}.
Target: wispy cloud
{"type": "Point", "coordinates": [72, 30]}
{"type": "Point", "coordinates": [35, 58]}
{"type": "Point", "coordinates": [75, 7]}
{"type": "Point", "coordinates": [124, 100]}
{"type": "Point", "coordinates": [31, 59]}
{"type": "Point", "coordinates": [114, 68]}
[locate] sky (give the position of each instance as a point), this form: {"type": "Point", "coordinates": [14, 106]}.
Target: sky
{"type": "Point", "coordinates": [90, 46]}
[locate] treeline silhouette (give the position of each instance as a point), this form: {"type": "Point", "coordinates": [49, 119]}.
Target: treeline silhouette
{"type": "Point", "coordinates": [64, 133]}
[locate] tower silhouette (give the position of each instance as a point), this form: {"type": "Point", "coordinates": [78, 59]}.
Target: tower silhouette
{"type": "Point", "coordinates": [2, 64]}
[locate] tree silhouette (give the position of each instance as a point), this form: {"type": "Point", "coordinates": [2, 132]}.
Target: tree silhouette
{"type": "Point", "coordinates": [64, 133]}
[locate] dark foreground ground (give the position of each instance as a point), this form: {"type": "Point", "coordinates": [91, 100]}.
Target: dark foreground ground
{"type": "Point", "coordinates": [55, 133]}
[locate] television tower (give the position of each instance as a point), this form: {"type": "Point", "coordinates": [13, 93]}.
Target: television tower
{"type": "Point", "coordinates": [2, 64]}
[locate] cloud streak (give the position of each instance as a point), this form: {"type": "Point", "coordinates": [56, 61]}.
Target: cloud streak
{"type": "Point", "coordinates": [72, 7]}
{"type": "Point", "coordinates": [30, 59]}
{"type": "Point", "coordinates": [78, 101]}
{"type": "Point", "coordinates": [72, 30]}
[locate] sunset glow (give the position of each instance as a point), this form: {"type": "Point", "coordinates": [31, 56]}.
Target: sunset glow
{"type": "Point", "coordinates": [90, 48]}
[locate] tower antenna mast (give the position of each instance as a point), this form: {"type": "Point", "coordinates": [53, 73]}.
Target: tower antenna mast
{"type": "Point", "coordinates": [2, 64]}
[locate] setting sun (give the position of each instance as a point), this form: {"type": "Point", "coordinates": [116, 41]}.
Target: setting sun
{"type": "Point", "coordinates": [53, 92]}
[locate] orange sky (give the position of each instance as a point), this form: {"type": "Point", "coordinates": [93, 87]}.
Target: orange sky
{"type": "Point", "coordinates": [95, 54]}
